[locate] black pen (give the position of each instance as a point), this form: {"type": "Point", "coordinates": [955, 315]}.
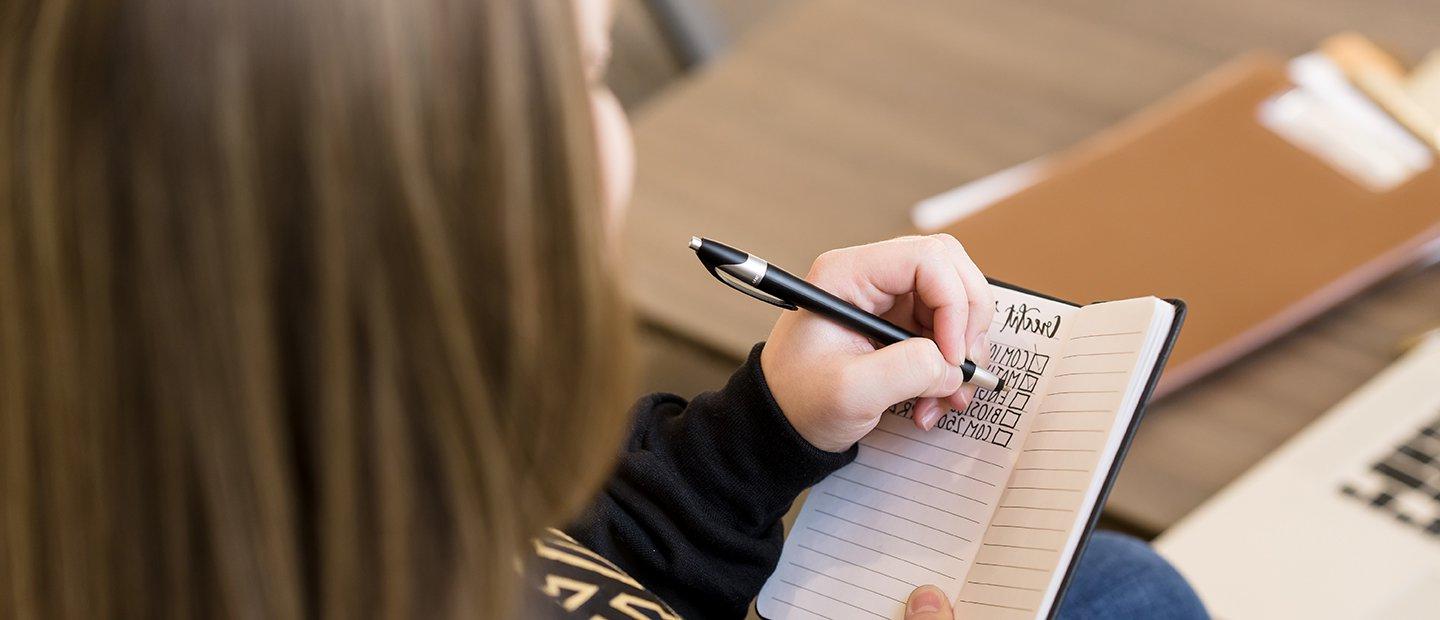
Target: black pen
{"type": "Point", "coordinates": [757, 278]}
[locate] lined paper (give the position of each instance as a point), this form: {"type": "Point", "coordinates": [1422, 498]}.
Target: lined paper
{"type": "Point", "coordinates": [914, 507]}
{"type": "Point", "coordinates": [991, 505]}
{"type": "Point", "coordinates": [1060, 471]}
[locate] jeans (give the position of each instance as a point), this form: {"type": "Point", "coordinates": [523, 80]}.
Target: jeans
{"type": "Point", "coordinates": [1121, 577]}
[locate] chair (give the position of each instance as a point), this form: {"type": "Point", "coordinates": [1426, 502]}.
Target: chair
{"type": "Point", "coordinates": [690, 28]}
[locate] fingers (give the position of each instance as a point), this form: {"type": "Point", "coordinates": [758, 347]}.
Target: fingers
{"type": "Point", "coordinates": [901, 371]}
{"type": "Point", "coordinates": [935, 268]}
{"type": "Point", "coordinates": [982, 312]}
{"type": "Point", "coordinates": [928, 603]}
{"type": "Point", "coordinates": [926, 413]}
{"type": "Point", "coordinates": [930, 286]}
{"type": "Point", "coordinates": [906, 313]}
{"type": "Point", "coordinates": [981, 300]}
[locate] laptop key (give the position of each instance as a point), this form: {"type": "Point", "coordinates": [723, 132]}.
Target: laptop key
{"type": "Point", "coordinates": [1405, 484]}
{"type": "Point", "coordinates": [1395, 473]}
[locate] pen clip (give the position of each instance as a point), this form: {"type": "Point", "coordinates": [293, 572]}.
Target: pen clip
{"type": "Point", "coordinates": [733, 282]}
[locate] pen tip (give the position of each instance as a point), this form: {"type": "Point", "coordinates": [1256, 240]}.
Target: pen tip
{"type": "Point", "coordinates": [694, 243]}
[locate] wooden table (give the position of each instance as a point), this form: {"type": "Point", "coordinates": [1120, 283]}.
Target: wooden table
{"type": "Point", "coordinates": [828, 122]}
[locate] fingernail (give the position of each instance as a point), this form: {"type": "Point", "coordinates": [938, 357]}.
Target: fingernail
{"type": "Point", "coordinates": [980, 351]}
{"type": "Point", "coordinates": [924, 601]}
{"type": "Point", "coordinates": [929, 416]}
{"type": "Point", "coordinates": [954, 378]}
{"type": "Point", "coordinates": [967, 394]}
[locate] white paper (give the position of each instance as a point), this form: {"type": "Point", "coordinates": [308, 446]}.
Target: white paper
{"type": "Point", "coordinates": [989, 505]}
{"type": "Point", "coordinates": [913, 507]}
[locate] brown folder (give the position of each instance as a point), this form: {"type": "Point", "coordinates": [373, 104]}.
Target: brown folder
{"type": "Point", "coordinates": [1195, 199]}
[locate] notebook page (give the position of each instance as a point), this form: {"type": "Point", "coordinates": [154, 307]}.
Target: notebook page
{"type": "Point", "coordinates": [1101, 370]}
{"type": "Point", "coordinates": [912, 508]}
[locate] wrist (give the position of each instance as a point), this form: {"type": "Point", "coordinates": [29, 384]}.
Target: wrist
{"type": "Point", "coordinates": [778, 384]}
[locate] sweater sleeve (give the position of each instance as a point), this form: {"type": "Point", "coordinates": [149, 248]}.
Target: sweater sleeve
{"type": "Point", "coordinates": [693, 509]}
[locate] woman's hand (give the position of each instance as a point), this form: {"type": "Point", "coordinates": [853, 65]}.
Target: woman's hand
{"type": "Point", "coordinates": [833, 384]}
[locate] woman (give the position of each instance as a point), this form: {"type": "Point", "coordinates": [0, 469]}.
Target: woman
{"type": "Point", "coordinates": [309, 309]}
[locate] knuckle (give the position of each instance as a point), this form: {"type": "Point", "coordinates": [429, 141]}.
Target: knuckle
{"type": "Point", "coordinates": [937, 254]}
{"type": "Point", "coordinates": [831, 256]}
{"type": "Point", "coordinates": [949, 241]}
{"type": "Point", "coordinates": [938, 266]}
{"type": "Point", "coordinates": [829, 262]}
{"type": "Point", "coordinates": [934, 245]}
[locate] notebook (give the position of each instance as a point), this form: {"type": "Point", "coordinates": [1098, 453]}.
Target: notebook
{"type": "Point", "coordinates": [994, 504]}
{"type": "Point", "coordinates": [1263, 194]}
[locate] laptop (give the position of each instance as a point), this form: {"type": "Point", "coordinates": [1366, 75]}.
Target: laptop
{"type": "Point", "coordinates": [1342, 522]}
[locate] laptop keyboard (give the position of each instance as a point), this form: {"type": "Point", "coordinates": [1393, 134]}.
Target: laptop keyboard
{"type": "Point", "coordinates": [1406, 483]}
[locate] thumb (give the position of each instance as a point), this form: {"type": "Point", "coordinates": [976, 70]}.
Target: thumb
{"type": "Point", "coordinates": [902, 371]}
{"type": "Point", "coordinates": [928, 603]}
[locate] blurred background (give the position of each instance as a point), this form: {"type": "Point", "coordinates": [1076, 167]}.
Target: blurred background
{"type": "Point", "coordinates": [791, 126]}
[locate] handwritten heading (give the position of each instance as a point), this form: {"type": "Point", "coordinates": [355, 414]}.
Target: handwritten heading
{"type": "Point", "coordinates": [1026, 318]}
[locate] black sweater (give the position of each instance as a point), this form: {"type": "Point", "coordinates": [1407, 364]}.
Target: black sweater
{"type": "Point", "coordinates": [693, 510]}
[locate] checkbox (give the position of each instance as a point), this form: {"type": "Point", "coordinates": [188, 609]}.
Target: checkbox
{"type": "Point", "coordinates": [1038, 363]}
{"type": "Point", "coordinates": [1002, 438]}
{"type": "Point", "coordinates": [1028, 383]}
{"type": "Point", "coordinates": [1010, 419]}
{"type": "Point", "coordinates": [1019, 400]}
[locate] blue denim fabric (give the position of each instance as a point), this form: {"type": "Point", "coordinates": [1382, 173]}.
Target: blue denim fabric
{"type": "Point", "coordinates": [1121, 577]}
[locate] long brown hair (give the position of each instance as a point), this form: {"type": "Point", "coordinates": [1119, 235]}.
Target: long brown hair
{"type": "Point", "coordinates": [303, 305]}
